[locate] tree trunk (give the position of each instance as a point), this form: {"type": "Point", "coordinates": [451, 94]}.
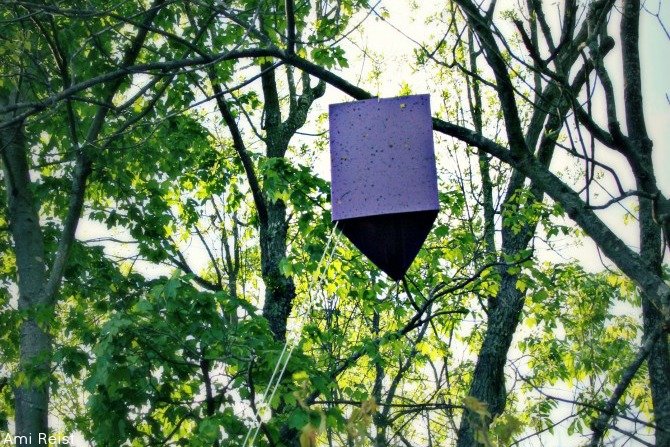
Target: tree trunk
{"type": "Point", "coordinates": [504, 311]}
{"type": "Point", "coordinates": [32, 392]}
{"type": "Point", "coordinates": [659, 372]}
{"type": "Point", "coordinates": [279, 289]}
{"type": "Point", "coordinates": [488, 381]}
{"type": "Point", "coordinates": [651, 245]}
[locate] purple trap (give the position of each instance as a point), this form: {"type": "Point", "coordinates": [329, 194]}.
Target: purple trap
{"type": "Point", "coordinates": [384, 181]}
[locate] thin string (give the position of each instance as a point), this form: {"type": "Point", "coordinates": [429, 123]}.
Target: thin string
{"type": "Point", "coordinates": [286, 353]}
{"type": "Point", "coordinates": [284, 359]}
{"type": "Point", "coordinates": [297, 339]}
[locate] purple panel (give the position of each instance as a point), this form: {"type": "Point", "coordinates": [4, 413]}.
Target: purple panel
{"type": "Point", "coordinates": [382, 157]}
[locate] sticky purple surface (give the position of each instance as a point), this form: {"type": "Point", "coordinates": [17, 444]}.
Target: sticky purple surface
{"type": "Point", "coordinates": [382, 157]}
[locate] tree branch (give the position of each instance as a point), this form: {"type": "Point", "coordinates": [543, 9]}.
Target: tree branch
{"type": "Point", "coordinates": [241, 149]}
{"type": "Point", "coordinates": [505, 89]}
{"type": "Point", "coordinates": [290, 26]}
{"type": "Point", "coordinates": [600, 425]}
{"type": "Point", "coordinates": [180, 262]}
{"type": "Point", "coordinates": [83, 166]}
{"type": "Point", "coordinates": [164, 67]}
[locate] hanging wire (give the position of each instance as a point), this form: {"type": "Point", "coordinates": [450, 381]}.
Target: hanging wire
{"type": "Point", "coordinates": [287, 351]}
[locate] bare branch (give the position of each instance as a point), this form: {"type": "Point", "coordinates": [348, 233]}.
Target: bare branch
{"type": "Point", "coordinates": [290, 26]}
{"type": "Point", "coordinates": [619, 199]}
{"type": "Point", "coordinates": [163, 67]}
{"type": "Point", "coordinates": [600, 425]}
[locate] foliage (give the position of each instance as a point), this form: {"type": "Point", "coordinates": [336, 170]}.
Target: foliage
{"type": "Point", "coordinates": [159, 331]}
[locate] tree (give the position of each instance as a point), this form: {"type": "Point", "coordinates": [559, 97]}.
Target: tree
{"type": "Point", "coordinates": [37, 288]}
{"type": "Point", "coordinates": [164, 355]}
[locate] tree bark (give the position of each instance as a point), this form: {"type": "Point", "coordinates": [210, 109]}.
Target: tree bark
{"type": "Point", "coordinates": [32, 393]}
{"type": "Point", "coordinates": [651, 244]}
{"type": "Point", "coordinates": [488, 382]}
{"type": "Point", "coordinates": [279, 289]}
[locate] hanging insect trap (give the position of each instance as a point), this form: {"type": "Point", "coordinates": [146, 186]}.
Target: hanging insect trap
{"type": "Point", "coordinates": [384, 180]}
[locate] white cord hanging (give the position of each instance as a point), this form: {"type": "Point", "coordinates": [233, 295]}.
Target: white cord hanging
{"type": "Point", "coordinates": [287, 352]}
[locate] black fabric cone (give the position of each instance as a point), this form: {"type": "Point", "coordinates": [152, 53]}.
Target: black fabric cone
{"type": "Point", "coordinates": [390, 241]}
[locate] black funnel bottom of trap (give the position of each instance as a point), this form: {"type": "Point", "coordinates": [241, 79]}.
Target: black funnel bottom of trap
{"type": "Point", "coordinates": [390, 241]}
